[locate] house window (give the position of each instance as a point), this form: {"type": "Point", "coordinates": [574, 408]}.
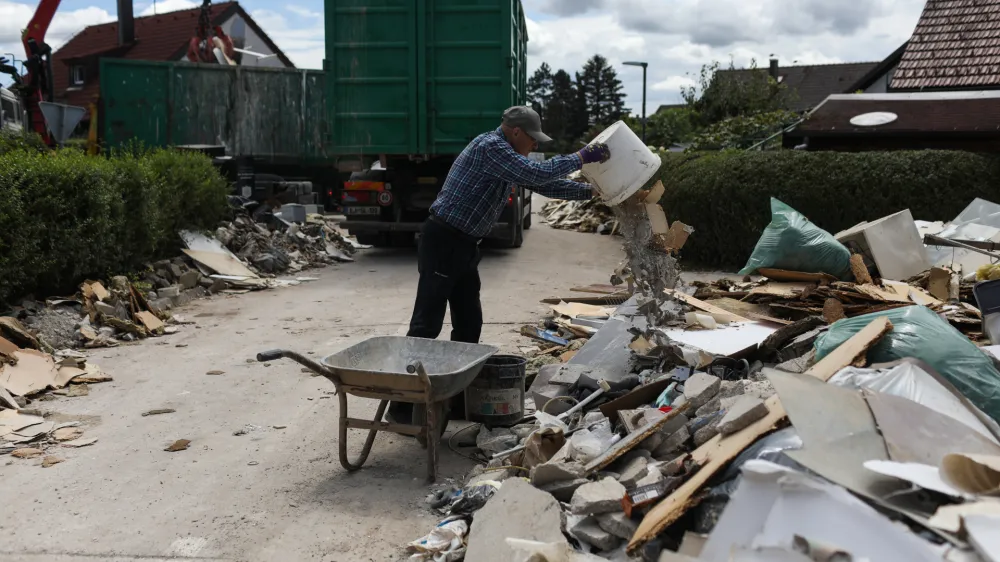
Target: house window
{"type": "Point", "coordinates": [77, 75]}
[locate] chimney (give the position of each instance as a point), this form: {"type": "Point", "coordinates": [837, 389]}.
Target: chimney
{"type": "Point", "coordinates": [126, 23]}
{"type": "Point", "coordinates": [773, 71]}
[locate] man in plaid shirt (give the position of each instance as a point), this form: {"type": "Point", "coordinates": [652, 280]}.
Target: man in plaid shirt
{"type": "Point", "coordinates": [470, 202]}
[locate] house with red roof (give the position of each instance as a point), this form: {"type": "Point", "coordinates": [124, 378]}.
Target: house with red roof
{"type": "Point", "coordinates": [160, 37]}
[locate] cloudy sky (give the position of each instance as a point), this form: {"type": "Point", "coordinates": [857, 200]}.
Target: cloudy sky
{"type": "Point", "coordinates": [675, 36]}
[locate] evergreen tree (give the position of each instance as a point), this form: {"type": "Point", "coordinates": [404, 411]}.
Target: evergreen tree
{"type": "Point", "coordinates": [563, 116]}
{"type": "Point", "coordinates": [601, 91]}
{"type": "Point", "coordinates": [540, 89]}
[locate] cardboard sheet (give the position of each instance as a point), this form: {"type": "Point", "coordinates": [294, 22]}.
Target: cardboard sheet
{"type": "Point", "coordinates": [35, 371]}
{"type": "Point", "coordinates": [149, 321]}
{"type": "Point", "coordinates": [795, 276]}
{"type": "Point", "coordinates": [784, 290]}
{"type": "Point", "coordinates": [922, 475]}
{"type": "Point", "coordinates": [575, 310]}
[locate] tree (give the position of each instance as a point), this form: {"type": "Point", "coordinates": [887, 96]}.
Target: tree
{"type": "Point", "coordinates": [601, 92]}
{"type": "Point", "coordinates": [540, 89]}
{"type": "Point", "coordinates": [722, 95]}
{"type": "Point", "coordinates": [671, 126]}
{"type": "Point", "coordinates": [565, 118]}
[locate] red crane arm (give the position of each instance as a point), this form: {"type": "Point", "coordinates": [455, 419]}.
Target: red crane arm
{"type": "Point", "coordinates": [40, 22]}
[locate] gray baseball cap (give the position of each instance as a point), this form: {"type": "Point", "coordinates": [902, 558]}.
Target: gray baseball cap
{"type": "Point", "coordinates": [527, 120]}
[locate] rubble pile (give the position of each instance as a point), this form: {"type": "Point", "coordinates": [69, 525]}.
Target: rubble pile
{"type": "Point", "coordinates": [794, 415]}
{"type": "Point", "coordinates": [291, 247]}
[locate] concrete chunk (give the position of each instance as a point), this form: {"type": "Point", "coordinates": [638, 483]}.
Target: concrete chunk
{"type": "Point", "coordinates": [518, 511]}
{"type": "Point", "coordinates": [654, 477]}
{"type": "Point", "coordinates": [563, 491]}
{"type": "Point", "coordinates": [169, 292]}
{"type": "Point", "coordinates": [760, 389]}
{"type": "Point", "coordinates": [588, 531]}
{"type": "Point", "coordinates": [637, 468]}
{"type": "Point", "coordinates": [731, 388]}
{"type": "Point", "coordinates": [189, 280]}
{"type": "Point", "coordinates": [618, 524]}
{"type": "Point", "coordinates": [701, 388]}
{"type": "Point", "coordinates": [672, 445]}
{"type": "Point", "coordinates": [746, 411]}
{"type": "Point", "coordinates": [707, 432]}
{"type": "Point", "coordinates": [598, 497]}
{"type": "Point", "coordinates": [710, 407]}
{"type": "Point", "coordinates": [105, 309]}
{"type": "Point", "coordinates": [556, 472]}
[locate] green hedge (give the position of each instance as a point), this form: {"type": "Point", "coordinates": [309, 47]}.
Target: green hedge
{"type": "Point", "coordinates": [725, 195]}
{"type": "Point", "coordinates": [66, 216]}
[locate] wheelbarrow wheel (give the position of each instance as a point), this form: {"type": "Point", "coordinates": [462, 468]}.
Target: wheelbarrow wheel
{"type": "Point", "coordinates": [420, 418]}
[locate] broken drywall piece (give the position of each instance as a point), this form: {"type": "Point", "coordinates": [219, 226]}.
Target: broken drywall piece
{"type": "Point", "coordinates": [972, 473]}
{"type": "Point", "coordinates": [677, 236]}
{"type": "Point", "coordinates": [149, 321]}
{"type": "Point", "coordinates": [517, 511]}
{"type": "Point", "coordinates": [949, 517]}
{"type": "Point", "coordinates": [922, 475]}
{"type": "Point", "coordinates": [774, 504]}
{"type": "Point", "coordinates": [983, 535]}
{"type": "Point", "coordinates": [223, 264]}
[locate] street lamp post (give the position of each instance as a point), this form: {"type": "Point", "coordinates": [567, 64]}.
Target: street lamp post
{"type": "Point", "coordinates": [643, 65]}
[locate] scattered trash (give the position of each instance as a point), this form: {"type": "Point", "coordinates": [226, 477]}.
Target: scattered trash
{"type": "Point", "coordinates": [179, 445]}
{"type": "Point", "coordinates": [27, 453]}
{"type": "Point", "coordinates": [158, 412]}
{"type": "Point", "coordinates": [51, 461]}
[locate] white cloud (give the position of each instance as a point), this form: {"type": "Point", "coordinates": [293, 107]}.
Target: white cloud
{"type": "Point", "coordinates": [164, 6]}
{"type": "Point", "coordinates": [304, 12]}
{"type": "Point", "coordinates": [304, 45]}
{"type": "Point", "coordinates": [14, 17]}
{"type": "Point", "coordinates": [674, 84]}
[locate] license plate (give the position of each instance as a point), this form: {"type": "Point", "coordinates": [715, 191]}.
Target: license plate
{"type": "Point", "coordinates": [361, 210]}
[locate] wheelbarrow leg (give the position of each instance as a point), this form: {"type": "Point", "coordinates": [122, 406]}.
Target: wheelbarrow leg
{"type": "Point", "coordinates": [430, 431]}
{"type": "Point", "coordinates": [344, 461]}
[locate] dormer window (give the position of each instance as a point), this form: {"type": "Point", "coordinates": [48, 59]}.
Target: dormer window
{"type": "Point", "coordinates": [78, 74]}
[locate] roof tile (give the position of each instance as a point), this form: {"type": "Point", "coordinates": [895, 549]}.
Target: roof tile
{"type": "Point", "coordinates": [956, 43]}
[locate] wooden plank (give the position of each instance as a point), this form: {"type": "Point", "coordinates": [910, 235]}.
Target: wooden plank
{"type": "Point", "coordinates": [786, 290]}
{"type": "Point", "coordinates": [795, 276]}
{"type": "Point", "coordinates": [707, 307]}
{"type": "Point", "coordinates": [711, 457]}
{"type": "Point", "coordinates": [851, 350]}
{"type": "Point", "coordinates": [631, 441]}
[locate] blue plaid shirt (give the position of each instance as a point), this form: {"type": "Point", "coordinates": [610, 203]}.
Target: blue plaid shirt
{"type": "Point", "coordinates": [483, 175]}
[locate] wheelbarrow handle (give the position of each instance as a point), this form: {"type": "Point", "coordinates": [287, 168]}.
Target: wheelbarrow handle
{"type": "Point", "coordinates": [270, 355]}
{"type": "Point", "coordinates": [275, 354]}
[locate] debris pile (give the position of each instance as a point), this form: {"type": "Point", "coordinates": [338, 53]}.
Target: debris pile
{"type": "Point", "coordinates": [741, 419]}
{"type": "Point", "coordinates": [290, 248]}
{"type": "Point", "coordinates": [583, 216]}
{"type": "Point", "coordinates": [28, 371]}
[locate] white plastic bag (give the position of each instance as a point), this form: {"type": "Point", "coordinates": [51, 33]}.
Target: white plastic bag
{"type": "Point", "coordinates": [446, 543]}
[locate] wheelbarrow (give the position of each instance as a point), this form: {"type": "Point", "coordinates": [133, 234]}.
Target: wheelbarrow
{"type": "Point", "coordinates": [415, 370]}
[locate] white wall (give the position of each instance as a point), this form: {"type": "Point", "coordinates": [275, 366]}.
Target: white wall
{"type": "Point", "coordinates": [881, 84]}
{"type": "Point", "coordinates": [253, 43]}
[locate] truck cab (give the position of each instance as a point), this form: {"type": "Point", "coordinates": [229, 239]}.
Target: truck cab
{"type": "Point", "coordinates": [12, 115]}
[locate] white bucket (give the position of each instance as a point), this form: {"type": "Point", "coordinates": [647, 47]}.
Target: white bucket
{"type": "Point", "coordinates": [631, 165]}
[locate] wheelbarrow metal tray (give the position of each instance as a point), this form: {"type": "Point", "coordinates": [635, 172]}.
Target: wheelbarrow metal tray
{"type": "Point", "coordinates": [376, 367]}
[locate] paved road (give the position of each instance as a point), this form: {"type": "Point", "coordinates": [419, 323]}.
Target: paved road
{"type": "Point", "coordinates": [273, 494]}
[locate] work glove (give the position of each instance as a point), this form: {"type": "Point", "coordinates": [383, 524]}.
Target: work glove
{"type": "Point", "coordinates": [593, 153]}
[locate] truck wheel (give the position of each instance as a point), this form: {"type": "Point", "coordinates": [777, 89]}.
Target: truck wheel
{"type": "Point", "coordinates": [527, 219]}
{"type": "Point", "coordinates": [518, 235]}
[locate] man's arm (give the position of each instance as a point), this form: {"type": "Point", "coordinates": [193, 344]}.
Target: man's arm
{"type": "Point", "coordinates": [567, 190]}
{"type": "Point", "coordinates": [504, 162]}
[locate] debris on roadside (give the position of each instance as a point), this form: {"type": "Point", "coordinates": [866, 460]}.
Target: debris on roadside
{"type": "Point", "coordinates": [179, 445]}
{"type": "Point", "coordinates": [583, 216]}
{"type": "Point", "coordinates": [684, 417]}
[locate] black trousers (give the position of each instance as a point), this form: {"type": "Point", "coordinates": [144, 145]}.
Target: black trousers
{"type": "Point", "coordinates": [448, 263]}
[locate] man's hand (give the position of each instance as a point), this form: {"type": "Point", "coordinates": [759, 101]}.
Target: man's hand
{"type": "Point", "coordinates": [593, 153]}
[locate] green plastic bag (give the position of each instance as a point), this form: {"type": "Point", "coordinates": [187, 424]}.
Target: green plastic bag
{"type": "Point", "coordinates": [919, 332]}
{"type": "Point", "coordinates": [792, 242]}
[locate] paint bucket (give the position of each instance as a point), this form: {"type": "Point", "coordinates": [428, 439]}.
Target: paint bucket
{"type": "Point", "coordinates": [631, 166]}
{"type": "Point", "coordinates": [496, 397]}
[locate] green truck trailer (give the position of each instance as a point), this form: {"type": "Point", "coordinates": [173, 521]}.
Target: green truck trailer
{"type": "Point", "coordinates": [408, 84]}
{"type": "Point", "coordinates": [265, 128]}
